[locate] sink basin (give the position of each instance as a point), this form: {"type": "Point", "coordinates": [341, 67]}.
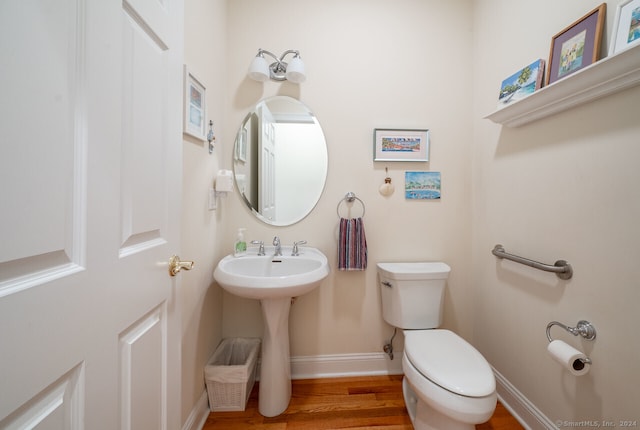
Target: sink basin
{"type": "Point", "coordinates": [273, 281]}
{"type": "Point", "coordinates": [268, 277]}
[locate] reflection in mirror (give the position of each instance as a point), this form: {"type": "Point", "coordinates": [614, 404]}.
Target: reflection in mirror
{"type": "Point", "coordinates": [280, 161]}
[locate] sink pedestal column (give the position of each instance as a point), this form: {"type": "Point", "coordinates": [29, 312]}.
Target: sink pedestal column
{"type": "Point", "coordinates": [275, 371]}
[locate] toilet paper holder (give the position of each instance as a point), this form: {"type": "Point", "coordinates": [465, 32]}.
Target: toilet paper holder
{"type": "Point", "coordinates": [583, 328]}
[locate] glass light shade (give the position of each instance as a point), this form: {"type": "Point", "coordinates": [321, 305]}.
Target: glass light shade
{"type": "Point", "coordinates": [259, 69]}
{"type": "Point", "coordinates": [295, 70]}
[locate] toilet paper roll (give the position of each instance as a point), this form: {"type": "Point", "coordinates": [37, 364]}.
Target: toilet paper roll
{"type": "Point", "coordinates": [224, 181]}
{"type": "Point", "coordinates": [569, 357]}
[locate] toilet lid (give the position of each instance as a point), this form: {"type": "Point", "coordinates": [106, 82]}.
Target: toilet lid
{"type": "Point", "coordinates": [449, 361]}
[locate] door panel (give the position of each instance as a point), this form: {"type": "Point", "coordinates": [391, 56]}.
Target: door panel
{"type": "Point", "coordinates": [267, 165]}
{"type": "Point", "coordinates": [57, 407]}
{"type": "Point", "coordinates": [41, 135]}
{"type": "Point", "coordinates": [142, 375]}
{"type": "Point", "coordinates": [145, 90]}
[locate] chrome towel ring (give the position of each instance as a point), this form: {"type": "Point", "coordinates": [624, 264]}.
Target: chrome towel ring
{"type": "Point", "coordinates": [350, 198]}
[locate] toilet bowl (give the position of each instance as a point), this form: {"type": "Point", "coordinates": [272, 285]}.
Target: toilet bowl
{"type": "Point", "coordinates": [448, 384]}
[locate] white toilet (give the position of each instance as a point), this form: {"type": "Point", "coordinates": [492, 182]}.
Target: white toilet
{"type": "Point", "coordinates": [447, 384]}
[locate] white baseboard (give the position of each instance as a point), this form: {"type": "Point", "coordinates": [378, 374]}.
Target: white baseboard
{"type": "Point", "coordinates": [198, 414]}
{"type": "Point", "coordinates": [520, 407]}
{"type": "Point", "coordinates": [343, 365]}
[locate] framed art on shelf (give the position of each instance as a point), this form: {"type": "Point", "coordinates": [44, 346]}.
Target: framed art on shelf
{"type": "Point", "coordinates": [626, 26]}
{"type": "Point", "coordinates": [195, 110]}
{"type": "Point", "coordinates": [577, 46]}
{"type": "Point", "coordinates": [522, 83]}
{"type": "Point", "coordinates": [400, 145]}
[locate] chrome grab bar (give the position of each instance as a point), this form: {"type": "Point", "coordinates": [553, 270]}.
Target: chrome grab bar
{"type": "Point", "coordinates": [561, 268]}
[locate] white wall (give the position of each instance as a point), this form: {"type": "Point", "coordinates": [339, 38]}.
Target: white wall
{"type": "Point", "coordinates": [299, 167]}
{"type": "Point", "coordinates": [560, 188]}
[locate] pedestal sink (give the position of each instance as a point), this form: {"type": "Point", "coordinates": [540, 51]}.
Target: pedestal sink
{"type": "Point", "coordinates": [274, 280]}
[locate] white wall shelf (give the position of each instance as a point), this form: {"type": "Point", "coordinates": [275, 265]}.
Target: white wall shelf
{"type": "Point", "coordinates": [607, 76]}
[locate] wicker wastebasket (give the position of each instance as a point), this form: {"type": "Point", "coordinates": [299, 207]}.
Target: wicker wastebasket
{"type": "Point", "coordinates": [231, 373]}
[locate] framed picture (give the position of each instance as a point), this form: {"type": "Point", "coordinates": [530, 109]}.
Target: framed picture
{"type": "Point", "coordinates": [422, 185]}
{"type": "Point", "coordinates": [400, 145]}
{"type": "Point", "coordinates": [195, 110]}
{"type": "Point", "coordinates": [577, 46]}
{"type": "Point", "coordinates": [522, 83]}
{"type": "Point", "coordinates": [626, 26]}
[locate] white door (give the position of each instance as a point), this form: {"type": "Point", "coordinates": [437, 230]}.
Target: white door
{"type": "Point", "coordinates": [90, 166]}
{"type": "Point", "coordinates": [267, 164]}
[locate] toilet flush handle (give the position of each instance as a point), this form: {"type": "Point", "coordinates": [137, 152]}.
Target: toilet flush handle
{"type": "Point", "coordinates": [387, 284]}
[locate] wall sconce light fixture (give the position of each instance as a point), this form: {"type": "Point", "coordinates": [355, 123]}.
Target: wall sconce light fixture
{"type": "Point", "coordinates": [278, 70]}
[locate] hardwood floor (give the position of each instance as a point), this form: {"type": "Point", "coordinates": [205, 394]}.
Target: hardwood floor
{"type": "Point", "coordinates": [340, 403]}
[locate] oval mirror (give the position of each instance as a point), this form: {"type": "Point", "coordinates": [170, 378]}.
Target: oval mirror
{"type": "Point", "coordinates": [280, 161]}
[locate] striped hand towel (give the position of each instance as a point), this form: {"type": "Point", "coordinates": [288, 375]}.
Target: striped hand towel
{"type": "Point", "coordinates": [352, 245]}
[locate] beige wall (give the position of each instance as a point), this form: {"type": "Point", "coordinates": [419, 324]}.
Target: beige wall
{"type": "Point", "coordinates": [563, 187]}
{"type": "Point", "coordinates": [201, 301]}
{"type": "Point", "coordinates": [369, 65]}
{"type": "Point", "coordinates": [560, 188]}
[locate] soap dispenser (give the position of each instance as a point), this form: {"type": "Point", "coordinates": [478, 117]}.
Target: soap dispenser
{"type": "Point", "coordinates": [240, 247]}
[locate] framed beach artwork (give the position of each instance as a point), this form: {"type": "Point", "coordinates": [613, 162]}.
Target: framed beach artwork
{"type": "Point", "coordinates": [522, 83]}
{"type": "Point", "coordinates": [626, 26]}
{"type": "Point", "coordinates": [400, 145]}
{"type": "Point", "coordinates": [195, 110]}
{"type": "Point", "coordinates": [422, 185]}
{"type": "Point", "coordinates": [577, 46]}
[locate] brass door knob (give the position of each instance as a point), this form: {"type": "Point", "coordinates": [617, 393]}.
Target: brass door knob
{"type": "Point", "coordinates": [175, 265]}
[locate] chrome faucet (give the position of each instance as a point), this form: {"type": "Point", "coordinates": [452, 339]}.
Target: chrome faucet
{"type": "Point", "coordinates": [276, 243]}
{"type": "Point", "coordinates": [261, 249]}
{"type": "Point", "coordinates": [295, 252]}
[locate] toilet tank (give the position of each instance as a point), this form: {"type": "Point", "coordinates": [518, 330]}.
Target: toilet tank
{"type": "Point", "coordinates": [413, 293]}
